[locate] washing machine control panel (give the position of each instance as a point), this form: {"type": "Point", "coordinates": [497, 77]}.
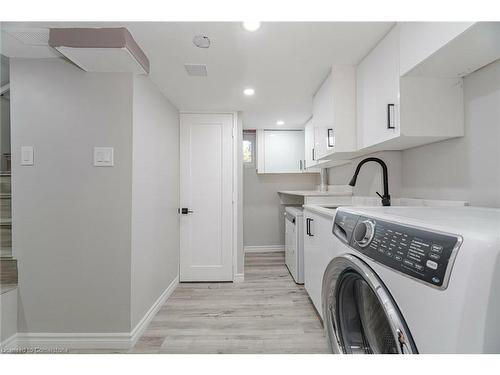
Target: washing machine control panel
{"type": "Point", "coordinates": [419, 253]}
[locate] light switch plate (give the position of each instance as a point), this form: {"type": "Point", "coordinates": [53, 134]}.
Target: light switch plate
{"type": "Point", "coordinates": [103, 157]}
{"type": "Point", "coordinates": [27, 155]}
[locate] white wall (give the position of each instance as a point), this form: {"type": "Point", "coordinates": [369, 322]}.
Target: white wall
{"type": "Point", "coordinates": [71, 220]}
{"type": "Point", "coordinates": [465, 168]}
{"type": "Point", "coordinates": [263, 221]}
{"type": "Point", "coordinates": [8, 314]}
{"type": "Point", "coordinates": [155, 196]}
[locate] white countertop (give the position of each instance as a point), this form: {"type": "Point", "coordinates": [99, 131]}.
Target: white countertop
{"type": "Point", "coordinates": [323, 210]}
{"type": "Point", "coordinates": [333, 190]}
{"type": "Point", "coordinates": [312, 193]}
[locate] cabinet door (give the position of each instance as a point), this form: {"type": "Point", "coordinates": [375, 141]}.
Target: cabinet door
{"type": "Point", "coordinates": [283, 151]}
{"type": "Point", "coordinates": [323, 117]}
{"type": "Point", "coordinates": [377, 91]}
{"type": "Point", "coordinates": [309, 144]}
{"type": "Point", "coordinates": [311, 259]}
{"type": "Point", "coordinates": [318, 252]}
{"type": "Point", "coordinates": [324, 141]}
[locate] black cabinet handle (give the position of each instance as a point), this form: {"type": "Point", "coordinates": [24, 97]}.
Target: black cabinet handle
{"type": "Point", "coordinates": [308, 227]}
{"type": "Point", "coordinates": [390, 117]}
{"type": "Point", "coordinates": [313, 154]}
{"type": "Point", "coordinates": [331, 141]}
{"type": "Point", "coordinates": [184, 211]}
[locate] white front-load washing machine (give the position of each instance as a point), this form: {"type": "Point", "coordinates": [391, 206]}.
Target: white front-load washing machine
{"type": "Point", "coordinates": [414, 280]}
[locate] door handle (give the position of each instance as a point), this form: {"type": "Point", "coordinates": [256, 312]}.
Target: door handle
{"type": "Point", "coordinates": [331, 140]}
{"type": "Point", "coordinates": [313, 153]}
{"type": "Point", "coordinates": [390, 117]}
{"type": "Point", "coordinates": [308, 227]}
{"type": "Point", "coordinates": [300, 165]}
{"type": "Point", "coordinates": [184, 211]}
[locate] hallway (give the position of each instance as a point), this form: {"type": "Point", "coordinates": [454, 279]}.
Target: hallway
{"type": "Point", "coordinates": [267, 313]}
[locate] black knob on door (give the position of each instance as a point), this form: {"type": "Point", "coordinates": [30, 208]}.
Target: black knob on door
{"type": "Point", "coordinates": [185, 211]}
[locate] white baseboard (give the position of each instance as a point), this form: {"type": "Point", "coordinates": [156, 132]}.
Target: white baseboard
{"type": "Point", "coordinates": [264, 249]}
{"type": "Point", "coordinates": [238, 278]}
{"type": "Point", "coordinates": [150, 314]}
{"type": "Point", "coordinates": [120, 340]}
{"type": "Point", "coordinates": [8, 343]}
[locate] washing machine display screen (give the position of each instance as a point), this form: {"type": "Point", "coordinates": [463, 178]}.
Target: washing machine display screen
{"type": "Point", "coordinates": [422, 254]}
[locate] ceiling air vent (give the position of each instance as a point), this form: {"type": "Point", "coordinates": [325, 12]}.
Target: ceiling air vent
{"type": "Point", "coordinates": [30, 36]}
{"type": "Point", "coordinates": [196, 70]}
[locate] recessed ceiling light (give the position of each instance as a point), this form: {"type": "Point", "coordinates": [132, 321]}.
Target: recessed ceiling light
{"type": "Point", "coordinates": [280, 122]}
{"type": "Point", "coordinates": [249, 91]}
{"type": "Point", "coordinates": [201, 41]}
{"type": "Point", "coordinates": [251, 25]}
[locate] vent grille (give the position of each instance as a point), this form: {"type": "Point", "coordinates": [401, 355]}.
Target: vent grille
{"type": "Point", "coordinates": [31, 37]}
{"type": "Point", "coordinates": [196, 70]}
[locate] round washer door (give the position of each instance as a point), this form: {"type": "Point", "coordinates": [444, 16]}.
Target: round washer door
{"type": "Point", "coordinates": [359, 314]}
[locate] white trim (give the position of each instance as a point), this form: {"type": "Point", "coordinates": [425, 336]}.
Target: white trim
{"type": "Point", "coordinates": [236, 166]}
{"type": "Point", "coordinates": [239, 278]}
{"type": "Point", "coordinates": [8, 343]}
{"type": "Point", "coordinates": [44, 340]}
{"type": "Point", "coordinates": [150, 314]}
{"type": "Point", "coordinates": [264, 249]}
{"type": "Point", "coordinates": [119, 340]}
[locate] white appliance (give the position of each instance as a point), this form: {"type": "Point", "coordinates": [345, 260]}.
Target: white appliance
{"type": "Point", "coordinates": [294, 243]}
{"type": "Point", "coordinates": [414, 280]}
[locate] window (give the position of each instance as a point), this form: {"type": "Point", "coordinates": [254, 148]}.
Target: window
{"type": "Point", "coordinates": [247, 151]}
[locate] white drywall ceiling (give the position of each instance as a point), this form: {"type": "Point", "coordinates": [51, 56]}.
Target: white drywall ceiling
{"type": "Point", "coordinates": [284, 62]}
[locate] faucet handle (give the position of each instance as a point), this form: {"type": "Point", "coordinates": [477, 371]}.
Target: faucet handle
{"type": "Point", "coordinates": [386, 199]}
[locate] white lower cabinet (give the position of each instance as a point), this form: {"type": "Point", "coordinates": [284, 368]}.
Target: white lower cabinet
{"type": "Point", "coordinates": [318, 251]}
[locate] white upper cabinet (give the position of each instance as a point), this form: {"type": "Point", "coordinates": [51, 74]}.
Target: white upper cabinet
{"type": "Point", "coordinates": [280, 151]}
{"type": "Point", "coordinates": [396, 113]}
{"type": "Point", "coordinates": [448, 49]}
{"type": "Point", "coordinates": [309, 145]}
{"type": "Point", "coordinates": [377, 89]}
{"type": "Point", "coordinates": [334, 113]}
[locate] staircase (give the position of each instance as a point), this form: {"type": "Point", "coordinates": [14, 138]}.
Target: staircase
{"type": "Point", "coordinates": [8, 265]}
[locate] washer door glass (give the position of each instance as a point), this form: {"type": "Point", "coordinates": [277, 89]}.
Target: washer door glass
{"type": "Point", "coordinates": [364, 326]}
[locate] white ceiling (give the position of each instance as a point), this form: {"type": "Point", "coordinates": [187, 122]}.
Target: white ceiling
{"type": "Point", "coordinates": [284, 61]}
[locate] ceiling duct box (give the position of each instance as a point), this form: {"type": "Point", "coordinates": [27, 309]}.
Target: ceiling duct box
{"type": "Point", "coordinates": [100, 49]}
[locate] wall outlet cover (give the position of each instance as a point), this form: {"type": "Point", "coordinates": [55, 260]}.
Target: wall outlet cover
{"type": "Point", "coordinates": [103, 157]}
{"type": "Point", "coordinates": [27, 155]}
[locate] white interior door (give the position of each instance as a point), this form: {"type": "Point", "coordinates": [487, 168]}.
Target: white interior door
{"type": "Point", "coordinates": [206, 189]}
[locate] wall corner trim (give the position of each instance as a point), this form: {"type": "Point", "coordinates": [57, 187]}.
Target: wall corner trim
{"type": "Point", "coordinates": [239, 278]}
{"type": "Point", "coordinates": [264, 249]}
{"type": "Point", "coordinates": [150, 314]}
{"type": "Point", "coordinates": [26, 342]}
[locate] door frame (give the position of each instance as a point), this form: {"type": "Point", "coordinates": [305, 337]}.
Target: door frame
{"type": "Point", "coordinates": [236, 181]}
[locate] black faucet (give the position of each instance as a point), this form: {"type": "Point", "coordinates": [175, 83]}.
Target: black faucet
{"type": "Point", "coordinates": [386, 198]}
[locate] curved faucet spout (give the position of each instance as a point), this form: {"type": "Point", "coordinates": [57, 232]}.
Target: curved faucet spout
{"type": "Point", "coordinates": [386, 198]}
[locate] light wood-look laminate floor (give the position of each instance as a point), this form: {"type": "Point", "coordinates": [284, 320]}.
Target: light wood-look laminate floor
{"type": "Point", "coordinates": [267, 313]}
